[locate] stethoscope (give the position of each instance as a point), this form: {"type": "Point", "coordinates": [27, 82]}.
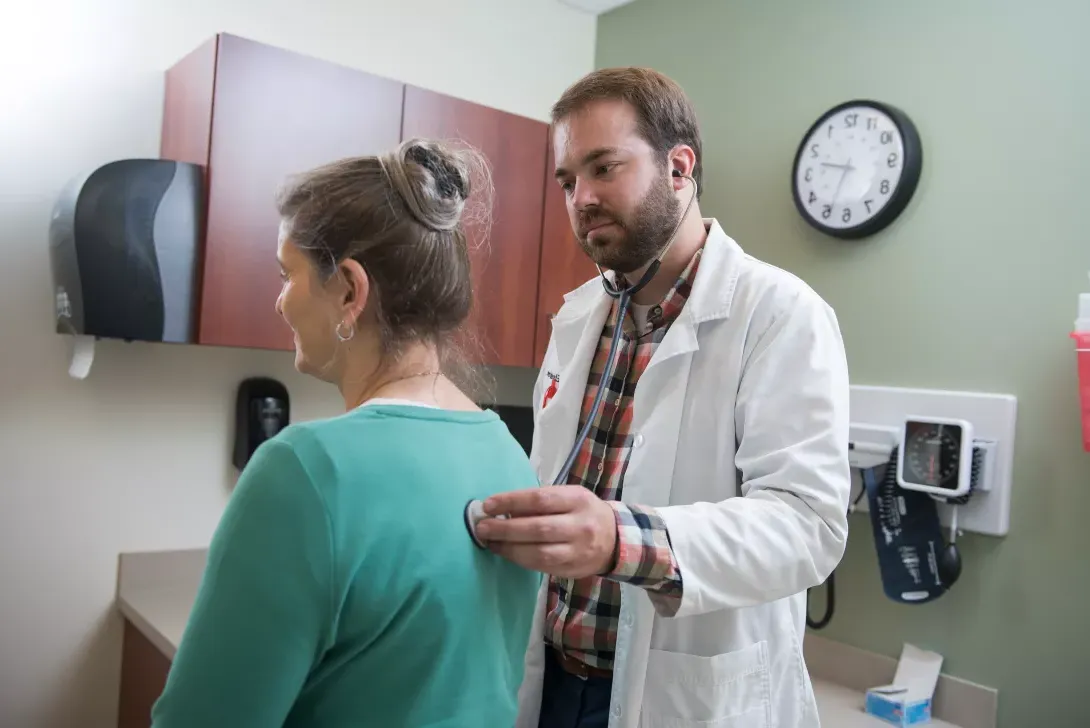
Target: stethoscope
{"type": "Point", "coordinates": [474, 510]}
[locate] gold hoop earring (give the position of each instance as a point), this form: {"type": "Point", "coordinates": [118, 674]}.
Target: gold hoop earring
{"type": "Point", "coordinates": [342, 337]}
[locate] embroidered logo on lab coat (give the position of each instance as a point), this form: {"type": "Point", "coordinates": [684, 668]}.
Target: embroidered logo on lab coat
{"type": "Point", "coordinates": [551, 391]}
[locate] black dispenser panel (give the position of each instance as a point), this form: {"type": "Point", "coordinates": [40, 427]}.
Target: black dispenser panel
{"type": "Point", "coordinates": [124, 245]}
{"type": "Point", "coordinates": [262, 409]}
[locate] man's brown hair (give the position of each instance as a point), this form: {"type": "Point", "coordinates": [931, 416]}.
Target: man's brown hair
{"type": "Point", "coordinates": [664, 113]}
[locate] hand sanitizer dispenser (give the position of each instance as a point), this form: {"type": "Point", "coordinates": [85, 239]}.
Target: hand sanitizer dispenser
{"type": "Point", "coordinates": [262, 410]}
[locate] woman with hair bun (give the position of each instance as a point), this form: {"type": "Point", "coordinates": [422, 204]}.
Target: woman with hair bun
{"type": "Point", "coordinates": [341, 587]}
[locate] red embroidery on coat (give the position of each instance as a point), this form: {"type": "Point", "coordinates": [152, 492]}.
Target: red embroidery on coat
{"type": "Point", "coordinates": [551, 391]}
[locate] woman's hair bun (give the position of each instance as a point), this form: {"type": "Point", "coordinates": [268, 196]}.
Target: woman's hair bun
{"type": "Point", "coordinates": [450, 180]}
{"type": "Point", "coordinates": [433, 179]}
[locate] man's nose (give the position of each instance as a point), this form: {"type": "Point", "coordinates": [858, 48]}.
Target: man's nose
{"type": "Point", "coordinates": [584, 195]}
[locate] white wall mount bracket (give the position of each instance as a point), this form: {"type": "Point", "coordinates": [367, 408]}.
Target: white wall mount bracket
{"type": "Point", "coordinates": [878, 414]}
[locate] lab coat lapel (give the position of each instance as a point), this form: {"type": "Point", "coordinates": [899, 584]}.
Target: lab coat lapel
{"type": "Point", "coordinates": [659, 406]}
{"type": "Point", "coordinates": [710, 298]}
{"type": "Point", "coordinates": [577, 330]}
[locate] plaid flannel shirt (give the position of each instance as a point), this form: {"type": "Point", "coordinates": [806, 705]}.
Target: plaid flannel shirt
{"type": "Point", "coordinates": [582, 614]}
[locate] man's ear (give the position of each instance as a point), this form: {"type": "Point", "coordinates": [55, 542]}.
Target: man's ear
{"type": "Point", "coordinates": [682, 161]}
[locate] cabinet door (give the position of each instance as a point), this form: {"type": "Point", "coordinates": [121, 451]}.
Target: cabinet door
{"type": "Point", "coordinates": [144, 671]}
{"type": "Point", "coordinates": [505, 265]}
{"type": "Point", "coordinates": [564, 265]}
{"type": "Point", "coordinates": [275, 113]}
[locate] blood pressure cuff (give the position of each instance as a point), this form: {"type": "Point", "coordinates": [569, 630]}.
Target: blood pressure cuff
{"type": "Point", "coordinates": [907, 535]}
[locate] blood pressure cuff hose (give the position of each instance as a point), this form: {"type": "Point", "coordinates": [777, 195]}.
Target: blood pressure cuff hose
{"type": "Point", "coordinates": [907, 535]}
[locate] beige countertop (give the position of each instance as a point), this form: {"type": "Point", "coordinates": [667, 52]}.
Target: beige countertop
{"type": "Point", "coordinates": [156, 591]}
{"type": "Point", "coordinates": [841, 707]}
{"type": "Point", "coordinates": [160, 614]}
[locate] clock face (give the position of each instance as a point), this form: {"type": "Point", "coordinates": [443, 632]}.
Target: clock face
{"type": "Point", "coordinates": [856, 169]}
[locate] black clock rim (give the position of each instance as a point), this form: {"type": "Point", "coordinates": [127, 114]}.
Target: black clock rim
{"type": "Point", "coordinates": [910, 176]}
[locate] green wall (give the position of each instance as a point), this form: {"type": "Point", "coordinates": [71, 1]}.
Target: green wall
{"type": "Point", "coordinates": [992, 253]}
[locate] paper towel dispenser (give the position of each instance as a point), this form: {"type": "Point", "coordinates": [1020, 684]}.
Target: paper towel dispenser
{"type": "Point", "coordinates": [124, 245]}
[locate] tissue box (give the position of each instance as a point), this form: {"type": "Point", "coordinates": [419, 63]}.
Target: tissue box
{"type": "Point", "coordinates": [907, 701]}
{"type": "Point", "coordinates": [896, 710]}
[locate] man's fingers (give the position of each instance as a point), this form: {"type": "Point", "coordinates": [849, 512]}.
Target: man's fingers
{"type": "Point", "coordinates": [546, 558]}
{"type": "Point", "coordinates": [528, 529]}
{"type": "Point", "coordinates": [545, 500]}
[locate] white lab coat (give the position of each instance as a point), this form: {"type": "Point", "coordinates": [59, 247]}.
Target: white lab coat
{"type": "Point", "coordinates": [756, 357]}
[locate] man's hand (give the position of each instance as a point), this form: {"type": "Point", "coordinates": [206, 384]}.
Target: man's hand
{"type": "Point", "coordinates": [563, 530]}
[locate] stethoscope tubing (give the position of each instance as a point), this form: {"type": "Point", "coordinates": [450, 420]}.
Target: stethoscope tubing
{"type": "Point", "coordinates": [474, 509]}
{"type": "Point", "coordinates": [562, 477]}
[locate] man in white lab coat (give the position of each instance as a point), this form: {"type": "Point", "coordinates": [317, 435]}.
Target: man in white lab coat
{"type": "Point", "coordinates": [715, 474]}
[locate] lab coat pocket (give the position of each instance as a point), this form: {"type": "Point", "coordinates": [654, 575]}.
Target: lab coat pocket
{"type": "Point", "coordinates": [730, 690]}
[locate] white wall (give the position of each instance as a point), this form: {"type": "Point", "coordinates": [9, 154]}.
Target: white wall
{"type": "Point", "coordinates": [136, 455]}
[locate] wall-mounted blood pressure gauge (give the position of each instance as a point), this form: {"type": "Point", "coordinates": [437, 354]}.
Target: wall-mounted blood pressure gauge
{"type": "Point", "coordinates": [936, 456]}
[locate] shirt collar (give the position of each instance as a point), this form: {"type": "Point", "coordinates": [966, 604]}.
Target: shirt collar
{"type": "Point", "coordinates": [665, 311]}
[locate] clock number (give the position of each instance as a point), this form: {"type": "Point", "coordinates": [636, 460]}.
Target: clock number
{"type": "Point", "coordinates": [847, 215]}
{"type": "Point", "coordinates": [809, 173]}
{"type": "Point", "coordinates": [814, 151]}
{"type": "Point", "coordinates": [830, 131]}
{"type": "Point", "coordinates": [885, 187]}
{"type": "Point", "coordinates": [868, 204]}
{"type": "Point", "coordinates": [887, 137]}
{"type": "Point", "coordinates": [850, 120]}
{"type": "Point", "coordinates": [813, 197]}
{"type": "Point", "coordinates": [826, 211]}
{"type": "Point", "coordinates": [872, 123]}
{"type": "Point", "coordinates": [892, 160]}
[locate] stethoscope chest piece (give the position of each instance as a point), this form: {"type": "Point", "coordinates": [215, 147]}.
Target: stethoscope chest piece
{"type": "Point", "coordinates": [473, 514]}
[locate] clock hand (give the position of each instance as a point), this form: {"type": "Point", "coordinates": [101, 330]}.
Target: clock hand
{"type": "Point", "coordinates": [847, 168]}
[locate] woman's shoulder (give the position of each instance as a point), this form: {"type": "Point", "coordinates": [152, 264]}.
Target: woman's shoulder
{"type": "Point", "coordinates": [382, 430]}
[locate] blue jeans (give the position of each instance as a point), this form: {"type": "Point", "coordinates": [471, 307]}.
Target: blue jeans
{"type": "Point", "coordinates": [568, 701]}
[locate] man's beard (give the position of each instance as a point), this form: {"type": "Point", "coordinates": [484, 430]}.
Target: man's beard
{"type": "Point", "coordinates": [641, 238]}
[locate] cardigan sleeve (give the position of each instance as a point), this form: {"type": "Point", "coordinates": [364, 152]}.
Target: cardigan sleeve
{"type": "Point", "coordinates": [264, 607]}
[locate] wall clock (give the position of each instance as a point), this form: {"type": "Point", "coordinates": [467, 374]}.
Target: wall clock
{"type": "Point", "coordinates": [857, 168]}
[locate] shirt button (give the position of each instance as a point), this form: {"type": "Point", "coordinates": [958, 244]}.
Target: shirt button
{"type": "Point", "coordinates": [638, 441]}
{"type": "Point", "coordinates": [601, 466]}
{"type": "Point", "coordinates": [615, 711]}
{"type": "Point", "coordinates": [656, 311]}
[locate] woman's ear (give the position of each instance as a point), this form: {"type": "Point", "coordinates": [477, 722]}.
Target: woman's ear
{"type": "Point", "coordinates": [357, 286]}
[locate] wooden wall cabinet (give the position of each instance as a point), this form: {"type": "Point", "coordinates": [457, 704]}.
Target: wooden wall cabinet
{"type": "Point", "coordinates": [252, 115]}
{"type": "Point", "coordinates": [255, 114]}
{"type": "Point", "coordinates": [564, 265]}
{"type": "Point", "coordinates": [506, 263]}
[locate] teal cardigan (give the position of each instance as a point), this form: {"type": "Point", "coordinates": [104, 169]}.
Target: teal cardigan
{"type": "Point", "coordinates": [343, 590]}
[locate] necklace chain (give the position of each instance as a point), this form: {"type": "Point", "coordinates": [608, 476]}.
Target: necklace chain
{"type": "Point", "coordinates": [376, 390]}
